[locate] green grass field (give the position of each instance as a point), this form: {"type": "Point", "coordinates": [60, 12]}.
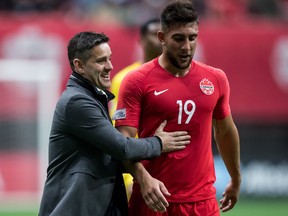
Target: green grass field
{"type": "Point", "coordinates": [259, 207]}
{"type": "Point", "coordinates": [245, 207]}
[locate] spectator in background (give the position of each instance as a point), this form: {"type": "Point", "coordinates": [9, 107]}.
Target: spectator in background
{"type": "Point", "coordinates": [132, 12]}
{"type": "Point", "coordinates": [151, 48]}
{"type": "Point", "coordinates": [31, 6]}
{"type": "Point", "coordinates": [192, 96]}
{"type": "Point", "coordinates": [85, 150]}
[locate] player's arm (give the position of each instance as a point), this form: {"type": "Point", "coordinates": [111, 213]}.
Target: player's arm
{"type": "Point", "coordinates": [228, 143]}
{"type": "Point", "coordinates": [152, 190]}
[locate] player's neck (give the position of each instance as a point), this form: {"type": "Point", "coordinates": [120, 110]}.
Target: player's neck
{"type": "Point", "coordinates": [177, 72]}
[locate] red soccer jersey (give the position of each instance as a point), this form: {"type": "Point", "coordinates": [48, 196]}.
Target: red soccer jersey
{"type": "Point", "coordinates": [150, 95]}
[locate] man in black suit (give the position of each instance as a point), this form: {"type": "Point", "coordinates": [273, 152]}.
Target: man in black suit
{"type": "Point", "coordinates": [84, 175]}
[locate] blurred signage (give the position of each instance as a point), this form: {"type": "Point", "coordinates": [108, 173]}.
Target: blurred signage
{"type": "Point", "coordinates": [259, 178]}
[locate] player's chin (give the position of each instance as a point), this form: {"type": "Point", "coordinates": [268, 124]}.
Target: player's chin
{"type": "Point", "coordinates": [185, 64]}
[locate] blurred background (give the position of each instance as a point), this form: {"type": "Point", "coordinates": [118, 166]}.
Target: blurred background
{"type": "Point", "coordinates": [248, 39]}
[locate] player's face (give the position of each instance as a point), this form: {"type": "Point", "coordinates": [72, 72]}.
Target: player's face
{"type": "Point", "coordinates": [180, 44]}
{"type": "Point", "coordinates": [98, 67]}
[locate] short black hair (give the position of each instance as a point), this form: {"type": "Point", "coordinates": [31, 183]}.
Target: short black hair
{"type": "Point", "coordinates": [81, 44]}
{"type": "Point", "coordinates": [144, 28]}
{"type": "Point", "coordinates": [178, 13]}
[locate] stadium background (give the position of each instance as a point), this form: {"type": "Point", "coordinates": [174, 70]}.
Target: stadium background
{"type": "Point", "coordinates": [248, 39]}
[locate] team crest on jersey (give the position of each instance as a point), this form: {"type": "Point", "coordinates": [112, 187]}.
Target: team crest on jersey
{"type": "Point", "coordinates": [119, 114]}
{"type": "Point", "coordinates": [206, 86]}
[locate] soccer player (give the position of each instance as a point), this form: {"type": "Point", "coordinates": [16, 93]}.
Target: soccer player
{"type": "Point", "coordinates": [192, 96]}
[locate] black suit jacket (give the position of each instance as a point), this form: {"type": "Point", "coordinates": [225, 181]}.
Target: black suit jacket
{"type": "Point", "coordinates": [85, 150]}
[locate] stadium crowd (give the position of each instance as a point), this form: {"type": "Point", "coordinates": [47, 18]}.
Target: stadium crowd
{"type": "Point", "coordinates": [131, 12]}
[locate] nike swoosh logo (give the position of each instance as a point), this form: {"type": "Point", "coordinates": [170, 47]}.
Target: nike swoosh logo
{"type": "Point", "coordinates": [160, 92]}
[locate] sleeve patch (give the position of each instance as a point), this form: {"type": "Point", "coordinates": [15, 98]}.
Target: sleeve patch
{"type": "Point", "coordinates": [119, 114]}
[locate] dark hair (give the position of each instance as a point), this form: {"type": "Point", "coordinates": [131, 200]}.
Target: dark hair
{"type": "Point", "coordinates": [81, 44]}
{"type": "Point", "coordinates": [144, 28]}
{"type": "Point", "coordinates": [178, 13]}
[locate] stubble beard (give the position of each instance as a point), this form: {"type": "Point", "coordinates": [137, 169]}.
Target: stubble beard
{"type": "Point", "coordinates": [176, 64]}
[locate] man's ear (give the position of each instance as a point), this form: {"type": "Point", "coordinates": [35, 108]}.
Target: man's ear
{"type": "Point", "coordinates": [78, 66]}
{"type": "Point", "coordinates": [160, 36]}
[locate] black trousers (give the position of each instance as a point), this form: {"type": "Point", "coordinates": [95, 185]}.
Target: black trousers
{"type": "Point", "coordinates": [118, 205]}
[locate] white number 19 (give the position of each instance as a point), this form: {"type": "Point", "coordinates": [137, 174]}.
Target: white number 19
{"type": "Point", "coordinates": [188, 112]}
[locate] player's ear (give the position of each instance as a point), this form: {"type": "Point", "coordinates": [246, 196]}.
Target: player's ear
{"type": "Point", "coordinates": [160, 36]}
{"type": "Point", "coordinates": [78, 65]}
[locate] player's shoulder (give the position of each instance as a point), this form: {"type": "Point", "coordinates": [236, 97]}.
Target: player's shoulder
{"type": "Point", "coordinates": [209, 70]}
{"type": "Point", "coordinates": [205, 67]}
{"type": "Point", "coordinates": [143, 70]}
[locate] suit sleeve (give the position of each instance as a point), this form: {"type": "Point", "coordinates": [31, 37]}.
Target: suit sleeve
{"type": "Point", "coordinates": [86, 120]}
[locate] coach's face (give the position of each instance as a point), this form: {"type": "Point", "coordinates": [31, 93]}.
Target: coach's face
{"type": "Point", "coordinates": [98, 67]}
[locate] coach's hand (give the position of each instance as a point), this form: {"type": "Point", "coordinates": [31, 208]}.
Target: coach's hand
{"type": "Point", "coordinates": [172, 141]}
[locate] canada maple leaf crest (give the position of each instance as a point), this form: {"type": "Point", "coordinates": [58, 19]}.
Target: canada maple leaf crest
{"type": "Point", "coordinates": [206, 86]}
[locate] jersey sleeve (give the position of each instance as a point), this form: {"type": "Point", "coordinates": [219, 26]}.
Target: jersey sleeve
{"type": "Point", "coordinates": [222, 108]}
{"type": "Point", "coordinates": [129, 100]}
{"type": "Point", "coordinates": [116, 82]}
